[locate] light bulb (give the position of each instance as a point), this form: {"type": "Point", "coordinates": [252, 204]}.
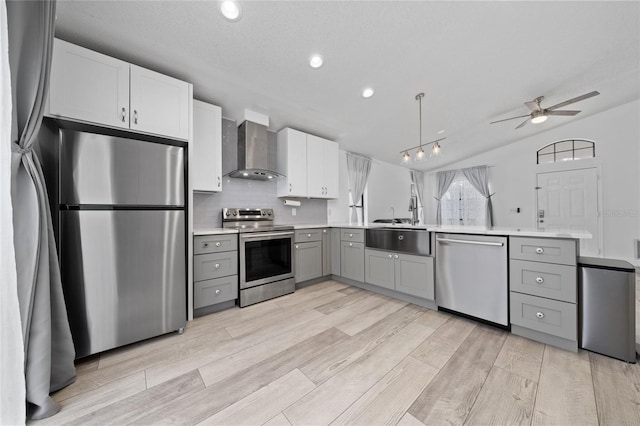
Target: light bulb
{"type": "Point", "coordinates": [230, 9]}
{"type": "Point", "coordinates": [539, 119]}
{"type": "Point", "coordinates": [420, 155]}
{"type": "Point", "coordinates": [436, 149]}
{"type": "Point", "coordinates": [406, 158]}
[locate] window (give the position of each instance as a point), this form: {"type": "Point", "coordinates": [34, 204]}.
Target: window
{"type": "Point", "coordinates": [359, 208]}
{"type": "Point", "coordinates": [566, 150]}
{"type": "Point", "coordinates": [462, 204]}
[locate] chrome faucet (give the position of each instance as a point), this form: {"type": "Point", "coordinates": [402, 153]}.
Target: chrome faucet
{"type": "Point", "coordinates": [413, 208]}
{"type": "Point", "coordinates": [393, 216]}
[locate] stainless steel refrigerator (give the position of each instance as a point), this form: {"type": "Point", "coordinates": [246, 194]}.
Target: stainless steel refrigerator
{"type": "Point", "coordinates": [119, 207]}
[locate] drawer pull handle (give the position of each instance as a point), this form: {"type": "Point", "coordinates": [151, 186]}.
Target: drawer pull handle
{"type": "Point", "coordinates": [205, 245]}
{"type": "Point", "coordinates": [297, 247]}
{"type": "Point", "coordinates": [217, 291]}
{"type": "Point", "coordinates": [123, 116]}
{"type": "Point", "coordinates": [390, 256]}
{"type": "Point", "coordinates": [350, 235]}
{"type": "Point", "coordinates": [539, 280]}
{"type": "Point", "coordinates": [324, 231]}
{"type": "Point", "coordinates": [308, 235]}
{"type": "Point", "coordinates": [396, 256]}
{"type": "Point", "coordinates": [217, 266]}
{"type": "Point", "coordinates": [540, 315]}
{"type": "Point", "coordinates": [350, 244]}
{"type": "Point", "coordinates": [539, 250]}
{"type": "Point", "coordinates": [218, 244]}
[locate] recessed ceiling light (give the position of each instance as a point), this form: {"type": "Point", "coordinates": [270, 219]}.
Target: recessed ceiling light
{"type": "Point", "coordinates": [230, 9]}
{"type": "Point", "coordinates": [316, 61]}
{"type": "Point", "coordinates": [367, 92]}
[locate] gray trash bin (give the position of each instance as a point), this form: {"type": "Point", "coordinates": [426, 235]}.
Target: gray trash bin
{"type": "Point", "coordinates": [607, 307]}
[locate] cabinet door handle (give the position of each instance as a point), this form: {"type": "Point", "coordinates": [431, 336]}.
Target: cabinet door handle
{"type": "Point", "coordinates": [123, 116]}
{"type": "Point", "coordinates": [290, 188]}
{"type": "Point", "coordinates": [539, 280]}
{"type": "Point", "coordinates": [217, 266]}
{"type": "Point", "coordinates": [396, 256]}
{"type": "Point", "coordinates": [218, 181]}
{"type": "Point", "coordinates": [350, 244]}
{"type": "Point", "coordinates": [205, 245]}
{"type": "Point", "coordinates": [390, 256]}
{"type": "Point", "coordinates": [218, 244]}
{"type": "Point", "coordinates": [135, 116]}
{"type": "Point", "coordinates": [297, 247]}
{"type": "Point", "coordinates": [308, 235]}
{"type": "Point", "coordinates": [217, 291]}
{"type": "Point", "coordinates": [324, 231]}
{"type": "Point", "coordinates": [540, 315]}
{"type": "Point", "coordinates": [350, 235]}
{"type": "Point", "coordinates": [539, 250]}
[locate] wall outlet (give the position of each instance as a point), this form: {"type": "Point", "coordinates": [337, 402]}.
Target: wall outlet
{"type": "Point", "coordinates": [514, 210]}
{"type": "Point", "coordinates": [293, 211]}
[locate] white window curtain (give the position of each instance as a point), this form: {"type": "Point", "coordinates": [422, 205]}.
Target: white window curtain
{"type": "Point", "coordinates": [358, 168]}
{"type": "Point", "coordinates": [444, 180]}
{"type": "Point", "coordinates": [462, 204]}
{"type": "Point", "coordinates": [48, 348]}
{"type": "Point", "coordinates": [12, 384]}
{"type": "Point", "coordinates": [479, 178]}
{"type": "Point", "coordinates": [417, 179]}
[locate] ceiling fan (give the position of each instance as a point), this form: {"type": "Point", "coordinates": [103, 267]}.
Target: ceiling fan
{"type": "Point", "coordinates": [540, 115]}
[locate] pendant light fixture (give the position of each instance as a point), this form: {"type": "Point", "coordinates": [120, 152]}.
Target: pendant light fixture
{"type": "Point", "coordinates": [420, 154]}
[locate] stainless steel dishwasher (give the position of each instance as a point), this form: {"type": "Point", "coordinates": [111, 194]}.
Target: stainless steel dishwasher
{"type": "Point", "coordinates": [471, 276]}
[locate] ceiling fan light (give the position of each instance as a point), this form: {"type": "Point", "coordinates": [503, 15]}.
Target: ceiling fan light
{"type": "Point", "coordinates": [539, 119]}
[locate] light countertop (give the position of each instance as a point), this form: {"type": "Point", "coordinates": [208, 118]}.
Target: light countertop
{"type": "Point", "coordinates": [477, 230]}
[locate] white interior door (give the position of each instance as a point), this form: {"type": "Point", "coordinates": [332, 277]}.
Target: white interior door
{"type": "Point", "coordinates": [568, 201]}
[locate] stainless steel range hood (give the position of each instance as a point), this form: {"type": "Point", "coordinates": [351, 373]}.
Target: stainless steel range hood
{"type": "Point", "coordinates": [253, 155]}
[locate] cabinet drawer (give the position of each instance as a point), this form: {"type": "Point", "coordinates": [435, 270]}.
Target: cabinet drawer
{"type": "Point", "coordinates": [305, 235]}
{"type": "Point", "coordinates": [214, 291]}
{"type": "Point", "coordinates": [215, 265]}
{"type": "Point", "coordinates": [550, 250]}
{"type": "Point", "coordinates": [356, 235]}
{"type": "Point", "coordinates": [544, 315]}
{"type": "Point", "coordinates": [215, 243]}
{"type": "Point", "coordinates": [544, 279]}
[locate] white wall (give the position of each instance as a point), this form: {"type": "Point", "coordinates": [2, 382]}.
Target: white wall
{"type": "Point", "coordinates": [616, 133]}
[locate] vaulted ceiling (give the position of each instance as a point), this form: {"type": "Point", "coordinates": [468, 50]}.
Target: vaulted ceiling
{"type": "Point", "coordinates": [475, 61]}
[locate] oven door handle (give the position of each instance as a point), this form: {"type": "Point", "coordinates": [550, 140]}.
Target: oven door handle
{"type": "Point", "coordinates": [263, 235]}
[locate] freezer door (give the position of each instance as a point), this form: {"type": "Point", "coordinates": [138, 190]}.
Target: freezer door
{"type": "Point", "coordinates": [123, 275]}
{"type": "Point", "coordinates": [98, 169]}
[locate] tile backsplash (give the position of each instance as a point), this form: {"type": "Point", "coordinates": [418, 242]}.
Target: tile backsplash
{"type": "Point", "coordinates": [207, 207]}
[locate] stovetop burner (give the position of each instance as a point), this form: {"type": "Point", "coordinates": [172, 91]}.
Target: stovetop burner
{"type": "Point", "coordinates": [251, 220]}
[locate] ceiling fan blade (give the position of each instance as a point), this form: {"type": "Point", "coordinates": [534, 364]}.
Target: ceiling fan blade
{"type": "Point", "coordinates": [533, 106]}
{"type": "Point", "coordinates": [563, 112]}
{"type": "Point", "coordinates": [576, 99]}
{"type": "Point", "coordinates": [512, 118]}
{"type": "Point", "coordinates": [524, 123]}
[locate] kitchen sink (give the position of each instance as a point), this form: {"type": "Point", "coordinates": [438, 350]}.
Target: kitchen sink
{"type": "Point", "coordinates": [406, 240]}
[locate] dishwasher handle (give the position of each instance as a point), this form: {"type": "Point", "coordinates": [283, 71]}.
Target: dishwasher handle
{"type": "Point", "coordinates": [476, 243]}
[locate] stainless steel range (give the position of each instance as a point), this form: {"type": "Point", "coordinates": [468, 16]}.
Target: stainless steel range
{"type": "Point", "coordinates": [266, 254]}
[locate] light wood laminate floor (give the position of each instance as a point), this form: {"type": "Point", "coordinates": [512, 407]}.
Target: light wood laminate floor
{"type": "Point", "coordinates": [335, 354]}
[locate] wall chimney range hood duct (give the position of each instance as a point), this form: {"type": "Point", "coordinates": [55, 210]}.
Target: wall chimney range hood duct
{"type": "Point", "coordinates": [254, 155]}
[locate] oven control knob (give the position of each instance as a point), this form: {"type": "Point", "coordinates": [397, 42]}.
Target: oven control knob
{"type": "Point", "coordinates": [270, 212]}
{"type": "Point", "coordinates": [228, 213]}
{"type": "Point", "coordinates": [264, 213]}
{"type": "Point", "coordinates": [235, 213]}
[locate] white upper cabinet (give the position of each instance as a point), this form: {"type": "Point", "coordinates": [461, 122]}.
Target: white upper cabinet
{"type": "Point", "coordinates": [310, 164]}
{"type": "Point", "coordinates": [159, 103]}
{"type": "Point", "coordinates": [95, 88]}
{"type": "Point", "coordinates": [292, 161]}
{"type": "Point", "coordinates": [206, 163]}
{"type": "Point", "coordinates": [88, 86]}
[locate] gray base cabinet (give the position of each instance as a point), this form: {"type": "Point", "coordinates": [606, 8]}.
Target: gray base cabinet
{"type": "Point", "coordinates": [335, 251]}
{"type": "Point", "coordinates": [352, 260]}
{"type": "Point", "coordinates": [405, 273]}
{"type": "Point", "coordinates": [215, 269]}
{"type": "Point", "coordinates": [543, 281]}
{"type": "Point", "coordinates": [308, 260]}
{"type": "Point", "coordinates": [326, 252]}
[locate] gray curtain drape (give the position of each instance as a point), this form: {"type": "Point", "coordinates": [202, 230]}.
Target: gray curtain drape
{"type": "Point", "coordinates": [48, 346]}
{"type": "Point", "coordinates": [358, 168]}
{"type": "Point", "coordinates": [479, 177]}
{"type": "Point", "coordinates": [417, 178]}
{"type": "Point", "coordinates": [444, 180]}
